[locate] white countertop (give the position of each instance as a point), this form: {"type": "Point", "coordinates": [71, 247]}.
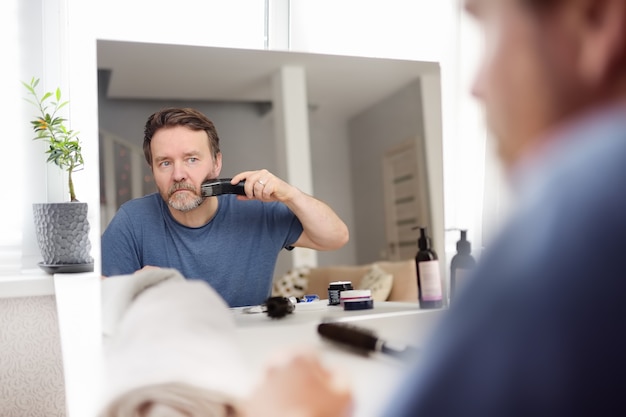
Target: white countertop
{"type": "Point", "coordinates": [373, 377]}
{"type": "Point", "coordinates": [79, 312]}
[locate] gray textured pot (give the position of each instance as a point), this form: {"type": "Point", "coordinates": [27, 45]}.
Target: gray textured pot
{"type": "Point", "coordinates": [63, 233]}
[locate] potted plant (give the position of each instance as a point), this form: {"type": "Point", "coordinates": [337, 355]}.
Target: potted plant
{"type": "Point", "coordinates": [62, 228]}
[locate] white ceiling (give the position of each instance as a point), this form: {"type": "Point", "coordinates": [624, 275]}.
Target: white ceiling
{"type": "Point", "coordinates": [341, 86]}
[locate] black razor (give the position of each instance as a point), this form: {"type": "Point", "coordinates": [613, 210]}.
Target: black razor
{"type": "Point", "coordinates": [211, 188]}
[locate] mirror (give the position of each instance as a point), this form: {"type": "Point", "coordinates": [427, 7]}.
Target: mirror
{"type": "Point", "coordinates": [375, 132]}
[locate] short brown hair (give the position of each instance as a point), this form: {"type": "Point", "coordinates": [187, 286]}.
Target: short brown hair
{"type": "Point", "coordinates": [173, 116]}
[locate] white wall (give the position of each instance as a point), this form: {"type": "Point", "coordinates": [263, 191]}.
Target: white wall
{"type": "Point", "coordinates": [246, 139]}
{"type": "Point", "coordinates": [332, 179]}
{"type": "Point", "coordinates": [409, 29]}
{"type": "Point", "coordinates": [233, 23]}
{"type": "Point", "coordinates": [372, 133]}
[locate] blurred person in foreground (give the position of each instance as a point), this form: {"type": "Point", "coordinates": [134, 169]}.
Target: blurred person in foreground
{"type": "Point", "coordinates": [540, 328]}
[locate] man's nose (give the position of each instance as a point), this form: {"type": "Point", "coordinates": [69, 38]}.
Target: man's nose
{"type": "Point", "coordinates": [179, 172]}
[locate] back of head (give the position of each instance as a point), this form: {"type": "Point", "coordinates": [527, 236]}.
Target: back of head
{"type": "Point", "coordinates": [547, 63]}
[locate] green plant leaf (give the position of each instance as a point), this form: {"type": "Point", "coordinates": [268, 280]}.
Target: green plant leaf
{"type": "Point", "coordinates": [64, 149]}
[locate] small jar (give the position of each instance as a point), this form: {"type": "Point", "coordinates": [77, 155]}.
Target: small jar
{"type": "Point", "coordinates": [356, 300]}
{"type": "Point", "coordinates": [334, 291]}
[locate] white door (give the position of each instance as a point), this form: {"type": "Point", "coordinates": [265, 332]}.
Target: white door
{"type": "Point", "coordinates": [405, 196]}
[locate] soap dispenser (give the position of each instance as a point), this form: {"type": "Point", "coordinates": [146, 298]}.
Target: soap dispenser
{"type": "Point", "coordinates": [461, 264]}
{"type": "Point", "coordinates": [428, 273]}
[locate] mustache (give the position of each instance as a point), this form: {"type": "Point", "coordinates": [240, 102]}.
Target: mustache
{"type": "Point", "coordinates": [177, 186]}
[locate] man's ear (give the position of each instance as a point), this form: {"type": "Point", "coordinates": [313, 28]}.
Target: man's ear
{"type": "Point", "coordinates": [603, 41]}
{"type": "Point", "coordinates": [217, 165]}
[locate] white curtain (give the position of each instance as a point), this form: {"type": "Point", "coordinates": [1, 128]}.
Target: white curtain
{"type": "Point", "coordinates": [476, 188]}
{"type": "Point", "coordinates": [497, 199]}
{"type": "Point", "coordinates": [465, 149]}
{"type": "Point", "coordinates": [14, 143]}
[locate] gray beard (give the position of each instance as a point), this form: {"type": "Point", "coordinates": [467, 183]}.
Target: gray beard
{"type": "Point", "coordinates": [184, 204]}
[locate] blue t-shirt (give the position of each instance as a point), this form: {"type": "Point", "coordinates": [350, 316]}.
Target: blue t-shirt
{"type": "Point", "coordinates": [235, 252]}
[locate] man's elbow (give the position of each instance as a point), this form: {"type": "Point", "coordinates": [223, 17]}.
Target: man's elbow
{"type": "Point", "coordinates": [329, 240]}
{"type": "Point", "coordinates": [341, 239]}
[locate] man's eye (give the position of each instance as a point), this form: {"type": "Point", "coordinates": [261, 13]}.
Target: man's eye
{"type": "Point", "coordinates": [192, 159]}
{"type": "Point", "coordinates": [164, 164]}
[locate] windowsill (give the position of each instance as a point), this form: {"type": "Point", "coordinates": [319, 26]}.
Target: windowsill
{"type": "Point", "coordinates": [25, 283]}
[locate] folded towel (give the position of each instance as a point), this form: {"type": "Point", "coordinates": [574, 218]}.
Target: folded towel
{"type": "Point", "coordinates": [171, 400]}
{"type": "Point", "coordinates": [172, 349]}
{"type": "Point", "coordinates": [119, 291]}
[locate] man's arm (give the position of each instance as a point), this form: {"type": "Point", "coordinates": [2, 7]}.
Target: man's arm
{"type": "Point", "coordinates": [322, 228]}
{"type": "Point", "coordinates": [119, 254]}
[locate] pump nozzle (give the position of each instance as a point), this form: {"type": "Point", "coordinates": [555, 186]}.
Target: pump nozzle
{"type": "Point", "coordinates": [424, 241]}
{"type": "Point", "coordinates": [463, 246]}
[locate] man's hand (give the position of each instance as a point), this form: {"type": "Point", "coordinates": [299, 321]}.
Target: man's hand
{"type": "Point", "coordinates": [264, 186]}
{"type": "Point", "coordinates": [300, 387]}
{"type": "Point", "coordinates": [323, 229]}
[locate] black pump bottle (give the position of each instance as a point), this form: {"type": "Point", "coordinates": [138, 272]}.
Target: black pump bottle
{"type": "Point", "coordinates": [428, 273]}
{"type": "Point", "coordinates": [461, 264]}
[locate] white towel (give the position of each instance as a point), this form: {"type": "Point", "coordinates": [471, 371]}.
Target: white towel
{"type": "Point", "coordinates": [171, 400]}
{"type": "Point", "coordinates": [174, 350]}
{"type": "Point", "coordinates": [118, 292]}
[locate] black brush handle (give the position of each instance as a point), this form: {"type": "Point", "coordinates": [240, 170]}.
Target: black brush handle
{"type": "Point", "coordinates": [363, 340]}
{"type": "Point", "coordinates": [212, 188]}
{"type": "Point", "coordinates": [349, 335]}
